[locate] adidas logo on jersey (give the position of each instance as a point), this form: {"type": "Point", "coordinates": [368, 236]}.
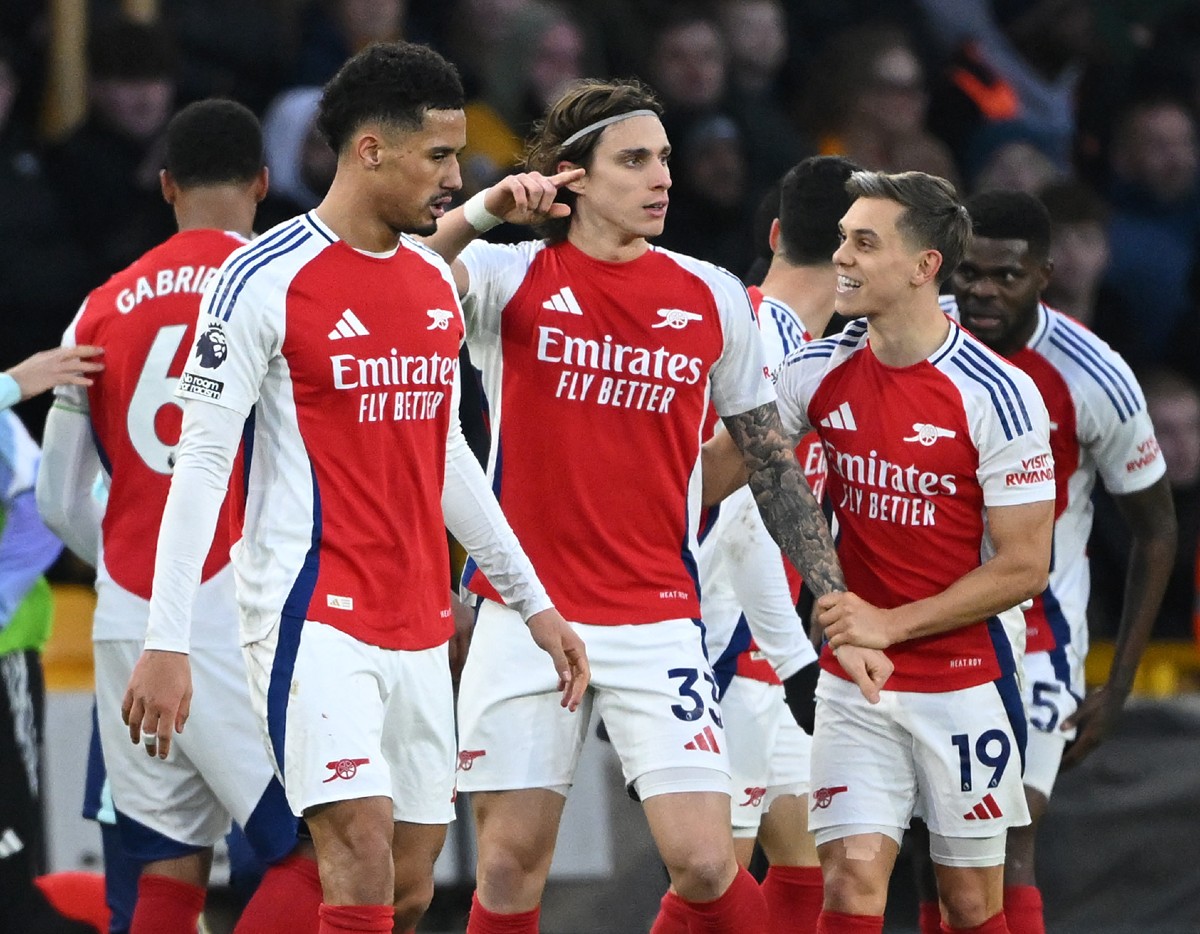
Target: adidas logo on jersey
{"type": "Point", "coordinates": [676, 318]}
{"type": "Point", "coordinates": [987, 809]}
{"type": "Point", "coordinates": [841, 417]}
{"type": "Point", "coordinates": [563, 300]}
{"type": "Point", "coordinates": [348, 326]}
{"type": "Point", "coordinates": [705, 740]}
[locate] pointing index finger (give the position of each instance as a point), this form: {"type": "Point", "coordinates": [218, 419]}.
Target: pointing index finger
{"type": "Point", "coordinates": [565, 178]}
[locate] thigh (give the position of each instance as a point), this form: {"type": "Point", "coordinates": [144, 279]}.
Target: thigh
{"type": "Point", "coordinates": [863, 774]}
{"type": "Point", "coordinates": [329, 734]}
{"type": "Point", "coordinates": [1049, 701]}
{"type": "Point", "coordinates": [513, 732]}
{"type": "Point", "coordinates": [657, 695]}
{"type": "Point", "coordinates": [687, 823]}
{"type": "Point", "coordinates": [750, 710]}
{"type": "Point", "coordinates": [968, 749]}
{"type": "Point", "coordinates": [418, 737]}
{"type": "Point", "coordinates": [164, 807]}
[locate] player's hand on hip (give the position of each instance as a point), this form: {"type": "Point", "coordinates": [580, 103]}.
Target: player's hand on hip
{"type": "Point", "coordinates": [158, 699]}
{"type": "Point", "coordinates": [554, 635]}
{"type": "Point", "coordinates": [529, 197]}
{"type": "Point", "coordinates": [849, 620]}
{"type": "Point", "coordinates": [61, 366]}
{"type": "Point", "coordinates": [1093, 719]}
{"type": "Point", "coordinates": [867, 668]}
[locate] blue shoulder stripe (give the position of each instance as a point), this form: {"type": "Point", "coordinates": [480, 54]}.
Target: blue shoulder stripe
{"type": "Point", "coordinates": [1006, 399]}
{"type": "Point", "coordinates": [1120, 393]}
{"type": "Point", "coordinates": [789, 335]}
{"type": "Point", "coordinates": [234, 278]}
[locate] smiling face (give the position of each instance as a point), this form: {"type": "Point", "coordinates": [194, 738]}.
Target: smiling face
{"type": "Point", "coordinates": [417, 171]}
{"type": "Point", "coordinates": [623, 197]}
{"type": "Point", "coordinates": [878, 265]}
{"type": "Point", "coordinates": [997, 286]}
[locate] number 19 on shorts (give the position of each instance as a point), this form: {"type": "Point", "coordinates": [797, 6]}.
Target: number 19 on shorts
{"type": "Point", "coordinates": [992, 751]}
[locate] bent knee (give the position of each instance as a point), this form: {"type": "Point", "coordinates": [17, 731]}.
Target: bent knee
{"type": "Point", "coordinates": [702, 878]}
{"type": "Point", "coordinates": [412, 900]}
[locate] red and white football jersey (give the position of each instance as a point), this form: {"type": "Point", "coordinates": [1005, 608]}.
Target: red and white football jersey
{"type": "Point", "coordinates": [356, 357]}
{"type": "Point", "coordinates": [1098, 426]}
{"type": "Point", "coordinates": [597, 377]}
{"type": "Point", "coordinates": [914, 456]}
{"type": "Point", "coordinates": [145, 318]}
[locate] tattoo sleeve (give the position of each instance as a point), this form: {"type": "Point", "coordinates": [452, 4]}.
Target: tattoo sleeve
{"type": "Point", "coordinates": [789, 510]}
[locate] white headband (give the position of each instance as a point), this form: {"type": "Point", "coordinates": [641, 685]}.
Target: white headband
{"type": "Point", "coordinates": [601, 124]}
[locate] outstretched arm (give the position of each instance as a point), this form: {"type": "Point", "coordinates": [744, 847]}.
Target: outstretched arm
{"type": "Point", "coordinates": [1150, 514]}
{"type": "Point", "coordinates": [61, 366]}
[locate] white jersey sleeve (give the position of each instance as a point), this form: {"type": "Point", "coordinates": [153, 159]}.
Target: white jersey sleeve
{"type": "Point", "coordinates": [71, 396]}
{"type": "Point", "coordinates": [760, 584]}
{"type": "Point", "coordinates": [795, 382]}
{"type": "Point", "coordinates": [495, 272]}
{"type": "Point", "coordinates": [208, 443]}
{"type": "Point", "coordinates": [1015, 465]}
{"type": "Point", "coordinates": [782, 332]}
{"type": "Point", "coordinates": [237, 337]}
{"type": "Point", "coordinates": [1115, 430]}
{"type": "Point", "coordinates": [474, 518]}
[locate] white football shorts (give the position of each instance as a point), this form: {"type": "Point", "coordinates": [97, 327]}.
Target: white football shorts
{"type": "Point", "coordinates": [350, 720]}
{"type": "Point", "coordinates": [1052, 691]}
{"type": "Point", "coordinates": [217, 769]}
{"type": "Point", "coordinates": [651, 684]}
{"type": "Point", "coordinates": [769, 755]}
{"type": "Point", "coordinates": [954, 757]}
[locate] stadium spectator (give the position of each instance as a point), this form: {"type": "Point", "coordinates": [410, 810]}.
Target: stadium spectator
{"type": "Point", "coordinates": [333, 30]}
{"type": "Point", "coordinates": [868, 101]}
{"type": "Point", "coordinates": [107, 169]}
{"type": "Point", "coordinates": [1154, 230]}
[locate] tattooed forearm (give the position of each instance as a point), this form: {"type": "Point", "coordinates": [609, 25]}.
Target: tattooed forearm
{"type": "Point", "coordinates": [789, 510]}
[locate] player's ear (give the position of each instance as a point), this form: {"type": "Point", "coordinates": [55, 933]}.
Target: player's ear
{"type": "Point", "coordinates": [368, 148]}
{"type": "Point", "coordinates": [170, 191]}
{"type": "Point", "coordinates": [261, 184]}
{"type": "Point", "coordinates": [927, 268]}
{"type": "Point", "coordinates": [576, 186]}
{"type": "Point", "coordinates": [773, 236]}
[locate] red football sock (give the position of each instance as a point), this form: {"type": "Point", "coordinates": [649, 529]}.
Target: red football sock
{"type": "Point", "coordinates": [360, 919]}
{"type": "Point", "coordinates": [931, 918]}
{"type": "Point", "coordinates": [483, 921]}
{"type": "Point", "coordinates": [794, 895]}
{"type": "Point", "coordinates": [993, 925]}
{"type": "Point", "coordinates": [834, 922]}
{"type": "Point", "coordinates": [166, 906]}
{"type": "Point", "coordinates": [1023, 909]}
{"type": "Point", "coordinates": [741, 910]}
{"type": "Point", "coordinates": [286, 901]}
{"type": "Point", "coordinates": [672, 916]}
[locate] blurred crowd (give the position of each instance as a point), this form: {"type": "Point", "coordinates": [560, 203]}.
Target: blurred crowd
{"type": "Point", "coordinates": [1090, 104]}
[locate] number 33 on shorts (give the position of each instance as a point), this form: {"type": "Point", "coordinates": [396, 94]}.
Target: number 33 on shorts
{"type": "Point", "coordinates": [693, 705]}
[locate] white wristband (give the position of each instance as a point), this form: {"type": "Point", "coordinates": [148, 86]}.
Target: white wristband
{"type": "Point", "coordinates": [479, 216]}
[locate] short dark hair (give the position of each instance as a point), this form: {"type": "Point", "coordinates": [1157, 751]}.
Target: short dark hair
{"type": "Point", "coordinates": [392, 82]}
{"type": "Point", "coordinates": [812, 199]}
{"type": "Point", "coordinates": [933, 217]}
{"type": "Point", "coordinates": [213, 142]}
{"type": "Point", "coordinates": [580, 106]}
{"type": "Point", "coordinates": [1012, 215]}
